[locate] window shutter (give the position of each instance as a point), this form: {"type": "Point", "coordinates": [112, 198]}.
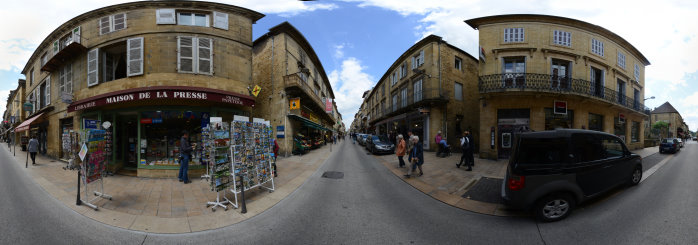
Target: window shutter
{"type": "Point", "coordinates": [119, 21]}
{"type": "Point", "coordinates": [165, 17]}
{"type": "Point", "coordinates": [414, 65]}
{"type": "Point", "coordinates": [56, 47]}
{"type": "Point", "coordinates": [104, 25]}
{"type": "Point", "coordinates": [421, 57]}
{"type": "Point", "coordinates": [76, 34]}
{"type": "Point", "coordinates": [220, 20]}
{"type": "Point", "coordinates": [92, 67]}
{"type": "Point", "coordinates": [205, 55]}
{"type": "Point", "coordinates": [185, 54]}
{"type": "Point", "coordinates": [134, 56]}
{"type": "Point", "coordinates": [37, 98]}
{"type": "Point", "coordinates": [48, 90]}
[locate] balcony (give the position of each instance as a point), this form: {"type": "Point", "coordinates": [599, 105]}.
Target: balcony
{"type": "Point", "coordinates": [296, 87]}
{"type": "Point", "coordinates": [413, 100]}
{"type": "Point", "coordinates": [65, 49]}
{"type": "Point", "coordinates": [530, 82]}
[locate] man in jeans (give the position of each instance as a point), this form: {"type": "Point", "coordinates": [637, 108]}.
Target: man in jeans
{"type": "Point", "coordinates": [185, 150]}
{"type": "Point", "coordinates": [32, 148]}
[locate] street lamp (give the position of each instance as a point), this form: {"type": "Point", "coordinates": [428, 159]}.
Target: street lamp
{"type": "Point", "coordinates": [650, 98]}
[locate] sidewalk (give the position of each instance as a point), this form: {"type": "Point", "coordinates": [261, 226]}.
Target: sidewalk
{"type": "Point", "coordinates": [166, 205]}
{"type": "Point", "coordinates": [456, 187]}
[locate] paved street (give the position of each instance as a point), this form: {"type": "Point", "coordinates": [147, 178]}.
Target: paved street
{"type": "Point", "coordinates": [371, 205]}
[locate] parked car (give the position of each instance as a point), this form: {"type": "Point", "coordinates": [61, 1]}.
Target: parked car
{"type": "Point", "coordinates": [549, 172]}
{"type": "Point", "coordinates": [680, 142]}
{"type": "Point", "coordinates": [669, 145]}
{"type": "Point", "coordinates": [695, 138]}
{"type": "Point", "coordinates": [380, 144]}
{"type": "Point", "coordinates": [362, 139]}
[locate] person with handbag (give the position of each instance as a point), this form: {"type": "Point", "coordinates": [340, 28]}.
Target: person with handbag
{"type": "Point", "coordinates": [416, 157]}
{"type": "Point", "coordinates": [185, 150]}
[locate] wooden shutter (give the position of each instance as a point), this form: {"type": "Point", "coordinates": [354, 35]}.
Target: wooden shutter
{"type": "Point", "coordinates": [119, 21]}
{"type": "Point", "coordinates": [421, 57]}
{"type": "Point", "coordinates": [48, 90]}
{"type": "Point", "coordinates": [205, 55]}
{"type": "Point", "coordinates": [134, 56]}
{"type": "Point", "coordinates": [220, 20]}
{"type": "Point", "coordinates": [104, 25]}
{"type": "Point", "coordinates": [185, 54]}
{"type": "Point", "coordinates": [165, 17]}
{"type": "Point", "coordinates": [92, 67]}
{"type": "Point", "coordinates": [414, 65]}
{"type": "Point", "coordinates": [76, 34]}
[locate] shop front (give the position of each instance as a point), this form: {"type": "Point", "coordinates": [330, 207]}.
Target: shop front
{"type": "Point", "coordinates": [510, 123]}
{"type": "Point", "coordinates": [147, 124]}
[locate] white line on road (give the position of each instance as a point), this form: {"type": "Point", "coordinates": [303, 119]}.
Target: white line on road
{"type": "Point", "coordinates": [653, 169]}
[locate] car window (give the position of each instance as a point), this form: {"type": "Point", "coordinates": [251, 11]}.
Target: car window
{"type": "Point", "coordinates": [541, 151]}
{"type": "Point", "coordinates": [587, 148]}
{"type": "Point", "coordinates": [374, 138]}
{"type": "Point", "coordinates": [665, 140]}
{"type": "Point", "coordinates": [613, 147]}
{"type": "Point", "coordinates": [383, 138]}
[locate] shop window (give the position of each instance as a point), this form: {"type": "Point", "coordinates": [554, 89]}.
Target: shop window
{"type": "Point", "coordinates": [195, 55]}
{"type": "Point", "coordinates": [635, 132]}
{"type": "Point", "coordinates": [458, 88]}
{"type": "Point", "coordinates": [112, 23]}
{"type": "Point", "coordinates": [595, 122]}
{"type": "Point", "coordinates": [554, 121]}
{"type": "Point", "coordinates": [65, 76]}
{"type": "Point", "coordinates": [161, 132]}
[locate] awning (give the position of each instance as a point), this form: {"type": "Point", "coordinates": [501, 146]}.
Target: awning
{"type": "Point", "coordinates": [25, 125]}
{"type": "Point", "coordinates": [307, 122]}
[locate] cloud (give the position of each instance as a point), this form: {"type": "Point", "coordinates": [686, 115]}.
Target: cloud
{"type": "Point", "coordinates": [691, 100]}
{"type": "Point", "coordinates": [339, 51]}
{"type": "Point", "coordinates": [282, 8]}
{"type": "Point", "coordinates": [3, 100]}
{"type": "Point", "coordinates": [349, 84]}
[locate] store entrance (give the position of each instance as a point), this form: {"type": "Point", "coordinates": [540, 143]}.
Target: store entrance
{"type": "Point", "coordinates": [126, 140]}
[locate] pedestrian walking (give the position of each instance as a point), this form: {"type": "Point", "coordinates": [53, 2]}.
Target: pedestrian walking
{"type": "Point", "coordinates": [464, 146]}
{"type": "Point", "coordinates": [185, 152]}
{"type": "Point", "coordinates": [276, 154]}
{"type": "Point", "coordinates": [400, 151]}
{"type": "Point", "coordinates": [33, 148]}
{"type": "Point", "coordinates": [416, 157]}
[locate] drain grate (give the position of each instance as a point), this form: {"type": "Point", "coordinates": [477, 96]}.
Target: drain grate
{"type": "Point", "coordinates": [333, 175]}
{"type": "Point", "coordinates": [486, 190]}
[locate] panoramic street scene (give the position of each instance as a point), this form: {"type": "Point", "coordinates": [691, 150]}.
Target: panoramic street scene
{"type": "Point", "coordinates": [348, 122]}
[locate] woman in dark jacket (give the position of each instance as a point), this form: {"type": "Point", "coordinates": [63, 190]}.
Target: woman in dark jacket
{"type": "Point", "coordinates": [416, 157]}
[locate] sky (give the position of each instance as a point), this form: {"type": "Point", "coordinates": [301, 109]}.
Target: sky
{"type": "Point", "coordinates": [357, 40]}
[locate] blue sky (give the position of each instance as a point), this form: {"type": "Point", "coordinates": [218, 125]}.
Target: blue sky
{"type": "Point", "coordinates": [357, 40]}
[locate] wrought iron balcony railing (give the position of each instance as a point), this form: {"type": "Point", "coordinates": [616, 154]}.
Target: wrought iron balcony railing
{"type": "Point", "coordinates": [556, 84]}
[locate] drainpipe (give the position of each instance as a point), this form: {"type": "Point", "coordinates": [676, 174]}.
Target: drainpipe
{"type": "Point", "coordinates": [443, 117]}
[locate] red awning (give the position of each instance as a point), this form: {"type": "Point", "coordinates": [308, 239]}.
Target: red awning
{"type": "Point", "coordinates": [25, 125]}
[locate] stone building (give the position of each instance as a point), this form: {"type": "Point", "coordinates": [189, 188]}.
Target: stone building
{"type": "Point", "coordinates": [14, 115]}
{"type": "Point", "coordinates": [151, 69]}
{"type": "Point", "coordinates": [540, 72]}
{"type": "Point", "coordinates": [295, 88]}
{"type": "Point", "coordinates": [667, 113]}
{"type": "Point", "coordinates": [431, 87]}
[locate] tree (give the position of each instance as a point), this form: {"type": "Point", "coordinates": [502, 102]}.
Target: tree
{"type": "Point", "coordinates": [661, 127]}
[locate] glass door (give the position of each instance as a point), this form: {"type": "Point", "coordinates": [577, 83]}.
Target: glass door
{"type": "Point", "coordinates": [560, 73]}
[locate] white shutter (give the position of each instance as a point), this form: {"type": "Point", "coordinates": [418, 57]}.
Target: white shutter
{"type": "Point", "coordinates": [48, 90]}
{"type": "Point", "coordinates": [92, 67]}
{"type": "Point", "coordinates": [76, 34]}
{"type": "Point", "coordinates": [37, 98]}
{"type": "Point", "coordinates": [119, 21]}
{"type": "Point", "coordinates": [421, 57]}
{"type": "Point", "coordinates": [220, 20]}
{"type": "Point", "coordinates": [134, 56]}
{"type": "Point", "coordinates": [56, 47]}
{"type": "Point", "coordinates": [205, 55]}
{"type": "Point", "coordinates": [185, 54]}
{"type": "Point", "coordinates": [165, 17]}
{"type": "Point", "coordinates": [104, 25]}
{"type": "Point", "coordinates": [414, 65]}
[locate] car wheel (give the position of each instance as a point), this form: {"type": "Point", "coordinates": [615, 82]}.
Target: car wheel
{"type": "Point", "coordinates": [554, 207]}
{"type": "Point", "coordinates": [636, 176]}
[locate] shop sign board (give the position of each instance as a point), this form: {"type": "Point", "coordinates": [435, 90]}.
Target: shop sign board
{"type": "Point", "coordinates": [146, 120]}
{"type": "Point", "coordinates": [91, 124]}
{"type": "Point", "coordinates": [328, 105]}
{"type": "Point", "coordinates": [83, 152]}
{"type": "Point", "coordinates": [560, 107]}
{"type": "Point", "coordinates": [157, 120]}
{"type": "Point", "coordinates": [28, 106]}
{"type": "Point", "coordinates": [159, 93]}
{"type": "Point", "coordinates": [256, 90]}
{"type": "Point", "coordinates": [294, 103]}
{"type": "Point", "coordinates": [280, 133]}
{"type": "Point", "coordinates": [621, 118]}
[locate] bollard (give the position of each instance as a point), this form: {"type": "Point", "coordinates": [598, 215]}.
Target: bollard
{"type": "Point", "coordinates": [242, 196]}
{"type": "Point", "coordinates": [78, 202]}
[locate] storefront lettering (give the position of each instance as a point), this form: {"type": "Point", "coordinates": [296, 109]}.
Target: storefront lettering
{"type": "Point", "coordinates": [190, 95]}
{"type": "Point", "coordinates": [85, 106]}
{"type": "Point", "coordinates": [145, 95]}
{"type": "Point", "coordinates": [232, 100]}
{"type": "Point", "coordinates": [120, 98]}
{"type": "Point", "coordinates": [162, 94]}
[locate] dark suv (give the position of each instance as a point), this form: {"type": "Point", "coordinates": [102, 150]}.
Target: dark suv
{"type": "Point", "coordinates": [550, 172]}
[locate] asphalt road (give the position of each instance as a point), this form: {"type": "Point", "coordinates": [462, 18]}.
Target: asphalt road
{"type": "Point", "coordinates": [370, 205]}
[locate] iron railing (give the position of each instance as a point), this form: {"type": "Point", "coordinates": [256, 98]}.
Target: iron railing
{"type": "Point", "coordinates": [413, 97]}
{"type": "Point", "coordinates": [303, 83]}
{"type": "Point", "coordinates": [555, 84]}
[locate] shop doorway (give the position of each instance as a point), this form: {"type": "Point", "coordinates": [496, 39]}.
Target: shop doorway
{"type": "Point", "coordinates": [126, 140]}
{"type": "Point", "coordinates": [510, 123]}
{"type": "Point", "coordinates": [66, 128]}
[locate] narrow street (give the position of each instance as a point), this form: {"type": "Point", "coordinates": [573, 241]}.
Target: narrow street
{"type": "Point", "coordinates": [370, 205]}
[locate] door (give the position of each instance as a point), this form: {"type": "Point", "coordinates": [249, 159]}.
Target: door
{"type": "Point", "coordinates": [560, 70]}
{"type": "Point", "coordinates": [619, 163]}
{"type": "Point", "coordinates": [127, 140]}
{"type": "Point", "coordinates": [597, 82]}
{"type": "Point", "coordinates": [594, 170]}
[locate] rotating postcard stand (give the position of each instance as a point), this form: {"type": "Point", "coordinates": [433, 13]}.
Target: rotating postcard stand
{"type": "Point", "coordinates": [218, 147]}
{"type": "Point", "coordinates": [251, 155]}
{"type": "Point", "coordinates": [94, 167]}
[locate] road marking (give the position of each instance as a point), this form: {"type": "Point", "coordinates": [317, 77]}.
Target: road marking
{"type": "Point", "coordinates": [654, 168]}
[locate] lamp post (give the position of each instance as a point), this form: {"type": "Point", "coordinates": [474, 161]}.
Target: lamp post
{"type": "Point", "coordinates": [650, 98]}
